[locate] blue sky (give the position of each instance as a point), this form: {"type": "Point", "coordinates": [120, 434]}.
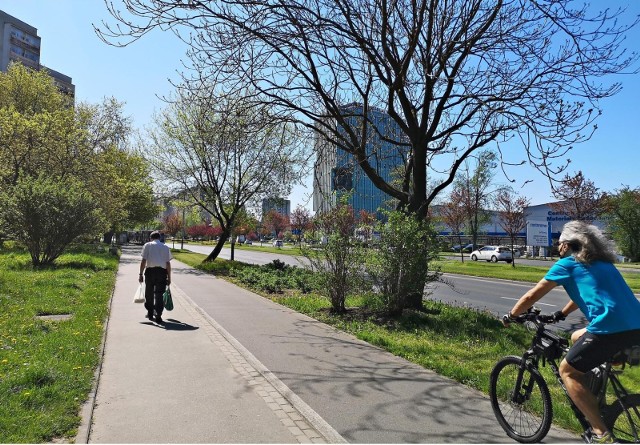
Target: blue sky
{"type": "Point", "coordinates": [137, 74]}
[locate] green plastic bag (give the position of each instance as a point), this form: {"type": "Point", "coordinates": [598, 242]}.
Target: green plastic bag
{"type": "Point", "coordinates": [168, 301]}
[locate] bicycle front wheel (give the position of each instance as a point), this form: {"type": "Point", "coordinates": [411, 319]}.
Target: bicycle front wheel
{"type": "Point", "coordinates": [623, 419]}
{"type": "Point", "coordinates": [524, 411]}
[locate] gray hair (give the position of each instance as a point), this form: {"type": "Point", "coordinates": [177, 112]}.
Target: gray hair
{"type": "Point", "coordinates": [587, 242]}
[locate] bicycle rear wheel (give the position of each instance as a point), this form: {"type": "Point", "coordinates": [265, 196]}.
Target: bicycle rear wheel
{"type": "Point", "coordinates": [524, 412]}
{"type": "Point", "coordinates": [624, 421]}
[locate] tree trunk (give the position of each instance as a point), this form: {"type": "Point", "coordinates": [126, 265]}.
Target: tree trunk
{"type": "Point", "coordinates": [224, 236]}
{"type": "Point", "coordinates": [415, 292]}
{"type": "Point", "coordinates": [106, 239]}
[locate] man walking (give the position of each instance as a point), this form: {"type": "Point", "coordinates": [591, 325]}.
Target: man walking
{"type": "Point", "coordinates": [156, 267]}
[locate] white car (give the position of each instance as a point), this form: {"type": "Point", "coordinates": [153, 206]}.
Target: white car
{"type": "Point", "coordinates": [493, 254]}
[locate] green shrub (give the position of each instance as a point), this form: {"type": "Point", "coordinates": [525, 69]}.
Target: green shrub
{"type": "Point", "coordinates": [271, 283]}
{"type": "Point", "coordinates": [47, 215]}
{"type": "Point", "coordinates": [400, 267]}
{"type": "Point", "coordinates": [276, 265]}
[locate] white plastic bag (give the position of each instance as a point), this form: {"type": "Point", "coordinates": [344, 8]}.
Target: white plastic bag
{"type": "Point", "coordinates": [138, 297]}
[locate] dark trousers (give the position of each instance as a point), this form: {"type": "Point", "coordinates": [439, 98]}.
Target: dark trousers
{"type": "Point", "coordinates": [155, 279]}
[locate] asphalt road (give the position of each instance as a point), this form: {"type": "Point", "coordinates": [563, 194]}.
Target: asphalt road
{"type": "Point", "coordinates": [499, 296]}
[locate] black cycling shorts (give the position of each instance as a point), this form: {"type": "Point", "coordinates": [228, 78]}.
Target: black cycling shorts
{"type": "Point", "coordinates": [592, 350]}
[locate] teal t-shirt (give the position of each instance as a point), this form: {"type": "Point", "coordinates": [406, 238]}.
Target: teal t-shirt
{"type": "Point", "coordinates": [601, 294]}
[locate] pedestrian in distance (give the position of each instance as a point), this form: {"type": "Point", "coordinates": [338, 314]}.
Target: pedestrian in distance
{"type": "Point", "coordinates": [156, 269]}
{"type": "Point", "coordinates": [596, 287]}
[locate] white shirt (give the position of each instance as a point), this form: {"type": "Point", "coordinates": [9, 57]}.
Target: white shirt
{"type": "Point", "coordinates": [157, 254]}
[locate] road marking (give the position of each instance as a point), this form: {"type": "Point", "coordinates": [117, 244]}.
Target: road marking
{"type": "Point", "coordinates": [541, 304]}
{"type": "Point", "coordinates": [489, 280]}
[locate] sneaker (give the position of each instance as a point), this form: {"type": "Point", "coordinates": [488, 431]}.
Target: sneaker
{"type": "Point", "coordinates": [149, 315]}
{"type": "Point", "coordinates": [158, 319]}
{"type": "Point", "coordinates": [605, 438]}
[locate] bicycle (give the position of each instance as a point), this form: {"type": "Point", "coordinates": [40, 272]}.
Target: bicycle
{"type": "Point", "coordinates": [520, 396]}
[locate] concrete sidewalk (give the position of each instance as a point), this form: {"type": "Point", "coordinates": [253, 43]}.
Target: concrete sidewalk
{"type": "Point", "coordinates": [182, 382]}
{"type": "Point", "coordinates": [232, 367]}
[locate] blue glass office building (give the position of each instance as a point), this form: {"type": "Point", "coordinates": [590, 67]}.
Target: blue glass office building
{"type": "Point", "coordinates": [336, 172]}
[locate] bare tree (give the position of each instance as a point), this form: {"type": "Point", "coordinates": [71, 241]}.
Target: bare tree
{"type": "Point", "coordinates": [300, 222]}
{"type": "Point", "coordinates": [513, 218]}
{"type": "Point", "coordinates": [579, 198]}
{"type": "Point", "coordinates": [454, 216]}
{"type": "Point", "coordinates": [474, 190]}
{"type": "Point", "coordinates": [225, 153]}
{"type": "Point", "coordinates": [455, 76]}
{"type": "Point", "coordinates": [339, 263]}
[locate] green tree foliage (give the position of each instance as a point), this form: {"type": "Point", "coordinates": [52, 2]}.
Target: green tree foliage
{"type": "Point", "coordinates": [37, 131]}
{"type": "Point", "coordinates": [118, 177]}
{"type": "Point", "coordinates": [122, 186]}
{"type": "Point", "coordinates": [623, 209]}
{"type": "Point", "coordinates": [44, 137]}
{"type": "Point", "coordinates": [47, 214]}
{"type": "Point", "coordinates": [399, 268]}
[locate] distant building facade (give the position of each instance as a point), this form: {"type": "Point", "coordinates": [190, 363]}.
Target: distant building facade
{"type": "Point", "coordinates": [336, 172]}
{"type": "Point", "coordinates": [491, 232]}
{"type": "Point", "coordinates": [19, 42]}
{"type": "Point", "coordinates": [280, 205]}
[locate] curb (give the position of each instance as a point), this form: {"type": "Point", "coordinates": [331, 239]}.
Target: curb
{"type": "Point", "coordinates": [86, 412]}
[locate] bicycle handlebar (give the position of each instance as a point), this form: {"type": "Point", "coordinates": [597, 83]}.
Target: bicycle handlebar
{"type": "Point", "coordinates": [534, 315]}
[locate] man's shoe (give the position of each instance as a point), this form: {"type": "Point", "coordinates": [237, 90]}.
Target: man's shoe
{"type": "Point", "coordinates": [149, 315]}
{"type": "Point", "coordinates": [158, 319]}
{"type": "Point", "coordinates": [605, 438]}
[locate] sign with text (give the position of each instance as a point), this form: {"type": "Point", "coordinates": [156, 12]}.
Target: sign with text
{"type": "Point", "coordinates": [538, 233]}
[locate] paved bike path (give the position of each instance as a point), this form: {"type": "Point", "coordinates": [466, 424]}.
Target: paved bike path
{"type": "Point", "coordinates": [365, 394]}
{"type": "Point", "coordinates": [181, 382]}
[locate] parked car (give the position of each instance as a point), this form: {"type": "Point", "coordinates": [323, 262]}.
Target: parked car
{"type": "Point", "coordinates": [493, 254]}
{"type": "Point", "coordinates": [277, 243]}
{"type": "Point", "coordinates": [467, 248]}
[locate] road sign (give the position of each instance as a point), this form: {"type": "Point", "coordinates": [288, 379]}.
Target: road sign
{"type": "Point", "coordinates": [538, 233]}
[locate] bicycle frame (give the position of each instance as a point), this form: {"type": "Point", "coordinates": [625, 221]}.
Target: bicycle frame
{"type": "Point", "coordinates": [534, 355]}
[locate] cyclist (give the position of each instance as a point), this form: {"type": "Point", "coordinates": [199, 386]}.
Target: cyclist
{"type": "Point", "coordinates": [596, 287]}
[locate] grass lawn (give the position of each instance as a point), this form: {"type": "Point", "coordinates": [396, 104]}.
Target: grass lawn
{"type": "Point", "coordinates": [47, 365]}
{"type": "Point", "coordinates": [459, 343]}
